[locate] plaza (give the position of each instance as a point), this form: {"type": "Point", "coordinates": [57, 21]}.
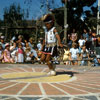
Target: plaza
{"type": "Point", "coordinates": [30, 82]}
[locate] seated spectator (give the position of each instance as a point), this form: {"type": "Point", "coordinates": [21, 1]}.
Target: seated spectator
{"type": "Point", "coordinates": [92, 53]}
{"type": "Point", "coordinates": [7, 57]}
{"type": "Point", "coordinates": [28, 54]}
{"type": "Point", "coordinates": [74, 54]}
{"type": "Point", "coordinates": [31, 44]}
{"type": "Point", "coordinates": [96, 61]}
{"type": "Point", "coordinates": [1, 53]}
{"type": "Point", "coordinates": [84, 56]}
{"type": "Point", "coordinates": [33, 51]}
{"type": "Point", "coordinates": [66, 55]}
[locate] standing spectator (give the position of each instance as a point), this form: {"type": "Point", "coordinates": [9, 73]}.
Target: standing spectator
{"type": "Point", "coordinates": [98, 41]}
{"type": "Point", "coordinates": [97, 48]}
{"type": "Point", "coordinates": [73, 37]}
{"type": "Point", "coordinates": [39, 46]}
{"type": "Point", "coordinates": [2, 42]}
{"type": "Point", "coordinates": [81, 43]}
{"type": "Point", "coordinates": [74, 54]}
{"type": "Point", "coordinates": [20, 40]}
{"type": "Point", "coordinates": [13, 49]}
{"type": "Point", "coordinates": [94, 39]}
{"type": "Point", "coordinates": [20, 53]}
{"type": "Point", "coordinates": [1, 53]}
{"type": "Point", "coordinates": [7, 54]}
{"type": "Point", "coordinates": [90, 32]}
{"type": "Point", "coordinates": [84, 56]}
{"type": "Point", "coordinates": [86, 37]}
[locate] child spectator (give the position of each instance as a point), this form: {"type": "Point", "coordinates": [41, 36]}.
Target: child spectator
{"type": "Point", "coordinates": [74, 54]}
{"type": "Point", "coordinates": [7, 55]}
{"type": "Point", "coordinates": [39, 45]}
{"type": "Point", "coordinates": [84, 56]}
{"type": "Point", "coordinates": [66, 55]}
{"type": "Point", "coordinates": [13, 50]}
{"type": "Point", "coordinates": [20, 53]}
{"type": "Point", "coordinates": [28, 54]}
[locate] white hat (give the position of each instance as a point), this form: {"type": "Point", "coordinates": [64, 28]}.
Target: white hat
{"type": "Point", "coordinates": [2, 37]}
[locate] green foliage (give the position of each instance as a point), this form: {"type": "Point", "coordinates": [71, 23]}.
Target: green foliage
{"type": "Point", "coordinates": [74, 14]}
{"type": "Point", "coordinates": [14, 17]}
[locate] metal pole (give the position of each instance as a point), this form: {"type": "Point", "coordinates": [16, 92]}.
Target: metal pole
{"type": "Point", "coordinates": [36, 31]}
{"type": "Point", "coordinates": [65, 22]}
{"type": "Point", "coordinates": [47, 6]}
{"type": "Point", "coordinates": [98, 17]}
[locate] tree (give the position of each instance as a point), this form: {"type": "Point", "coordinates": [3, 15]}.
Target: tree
{"type": "Point", "coordinates": [13, 17]}
{"type": "Point", "coordinates": [77, 17]}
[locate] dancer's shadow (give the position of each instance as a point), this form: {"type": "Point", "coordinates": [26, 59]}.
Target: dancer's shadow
{"type": "Point", "coordinates": [70, 73]}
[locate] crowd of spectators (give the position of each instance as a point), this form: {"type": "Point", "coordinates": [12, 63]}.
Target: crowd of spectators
{"type": "Point", "coordinates": [18, 50]}
{"type": "Point", "coordinates": [82, 49]}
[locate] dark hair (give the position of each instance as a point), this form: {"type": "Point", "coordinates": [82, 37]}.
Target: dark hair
{"type": "Point", "coordinates": [49, 18]}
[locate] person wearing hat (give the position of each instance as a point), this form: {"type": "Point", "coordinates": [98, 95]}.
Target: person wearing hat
{"type": "Point", "coordinates": [96, 61]}
{"type": "Point", "coordinates": [49, 47]}
{"type": "Point", "coordinates": [7, 54]}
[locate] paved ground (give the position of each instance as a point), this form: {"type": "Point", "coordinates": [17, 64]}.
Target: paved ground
{"type": "Point", "coordinates": [30, 82]}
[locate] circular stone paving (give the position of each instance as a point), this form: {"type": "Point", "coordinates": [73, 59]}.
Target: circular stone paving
{"type": "Point", "coordinates": [25, 82]}
{"type": "Point", "coordinates": [34, 77]}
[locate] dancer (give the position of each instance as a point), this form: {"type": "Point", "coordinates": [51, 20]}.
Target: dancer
{"type": "Point", "coordinates": [49, 46]}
